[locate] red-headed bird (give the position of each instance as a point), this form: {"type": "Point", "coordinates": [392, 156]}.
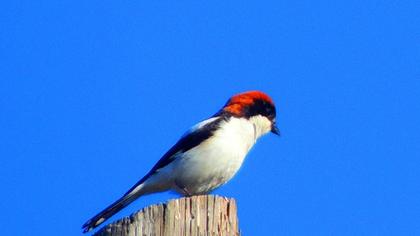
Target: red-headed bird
{"type": "Point", "coordinates": [207, 156]}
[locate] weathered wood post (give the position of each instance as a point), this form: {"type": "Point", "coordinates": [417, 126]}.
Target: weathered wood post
{"type": "Point", "coordinates": [189, 216]}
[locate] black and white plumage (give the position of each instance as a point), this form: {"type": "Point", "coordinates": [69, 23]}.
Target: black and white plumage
{"type": "Point", "coordinates": [207, 156]}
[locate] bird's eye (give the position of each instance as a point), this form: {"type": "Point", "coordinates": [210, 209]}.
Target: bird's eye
{"type": "Point", "coordinates": [270, 112]}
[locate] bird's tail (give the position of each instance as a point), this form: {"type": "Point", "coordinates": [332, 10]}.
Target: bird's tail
{"type": "Point", "coordinates": [115, 207]}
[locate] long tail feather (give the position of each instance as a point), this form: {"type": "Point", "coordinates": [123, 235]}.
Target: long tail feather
{"type": "Point", "coordinates": [111, 210]}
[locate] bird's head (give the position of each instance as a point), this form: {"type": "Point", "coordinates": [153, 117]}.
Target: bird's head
{"type": "Point", "coordinates": [256, 106]}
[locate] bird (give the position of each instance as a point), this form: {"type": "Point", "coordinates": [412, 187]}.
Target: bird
{"type": "Point", "coordinates": [207, 156]}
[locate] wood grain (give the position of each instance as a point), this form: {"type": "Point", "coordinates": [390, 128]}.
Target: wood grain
{"type": "Point", "coordinates": [196, 215]}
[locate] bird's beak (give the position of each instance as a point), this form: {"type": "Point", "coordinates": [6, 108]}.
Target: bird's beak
{"type": "Point", "coordinates": [275, 129]}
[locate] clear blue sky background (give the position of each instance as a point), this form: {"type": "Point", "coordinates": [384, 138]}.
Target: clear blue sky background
{"type": "Point", "coordinates": [94, 92]}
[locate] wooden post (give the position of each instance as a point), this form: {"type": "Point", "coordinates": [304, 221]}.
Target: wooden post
{"type": "Point", "coordinates": [189, 216]}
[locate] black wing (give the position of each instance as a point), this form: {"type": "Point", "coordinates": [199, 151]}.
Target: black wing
{"type": "Point", "coordinates": [191, 139]}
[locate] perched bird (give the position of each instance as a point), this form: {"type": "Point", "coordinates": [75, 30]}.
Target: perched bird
{"type": "Point", "coordinates": [208, 155]}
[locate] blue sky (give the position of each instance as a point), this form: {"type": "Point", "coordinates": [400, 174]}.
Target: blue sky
{"type": "Point", "coordinates": [94, 92]}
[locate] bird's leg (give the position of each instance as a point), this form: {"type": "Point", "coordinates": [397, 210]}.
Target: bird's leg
{"type": "Point", "coordinates": [183, 189]}
{"type": "Point", "coordinates": [188, 194]}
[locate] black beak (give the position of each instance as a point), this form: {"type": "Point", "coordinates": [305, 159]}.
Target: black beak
{"type": "Point", "coordinates": [275, 129]}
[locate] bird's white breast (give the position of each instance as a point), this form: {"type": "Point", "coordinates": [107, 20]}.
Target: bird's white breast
{"type": "Point", "coordinates": [217, 159]}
